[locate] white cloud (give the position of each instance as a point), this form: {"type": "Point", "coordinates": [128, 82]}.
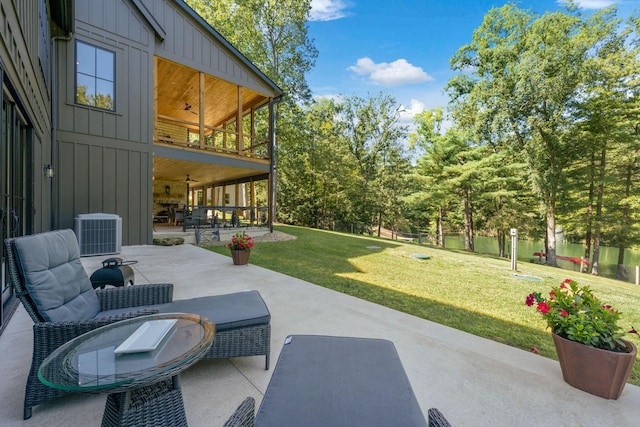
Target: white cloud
{"type": "Point", "coordinates": [332, 97]}
{"type": "Point", "coordinates": [398, 72]}
{"type": "Point", "coordinates": [327, 10]}
{"type": "Point", "coordinates": [408, 113]}
{"type": "Point", "coordinates": [591, 4]}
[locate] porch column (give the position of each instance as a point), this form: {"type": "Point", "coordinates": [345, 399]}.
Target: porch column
{"type": "Point", "coordinates": [240, 146]}
{"type": "Point", "coordinates": [201, 110]}
{"type": "Point", "coordinates": [237, 196]}
{"type": "Point", "coordinates": [224, 202]}
{"type": "Point", "coordinates": [271, 184]}
{"type": "Point", "coordinates": [253, 213]}
{"type": "Point", "coordinates": [253, 131]}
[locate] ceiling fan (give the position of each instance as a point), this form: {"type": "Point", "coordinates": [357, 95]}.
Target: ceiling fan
{"type": "Point", "coordinates": [190, 180]}
{"type": "Point", "coordinates": [187, 107]}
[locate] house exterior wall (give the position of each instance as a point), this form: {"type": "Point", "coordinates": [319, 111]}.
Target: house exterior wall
{"type": "Point", "coordinates": [25, 128]}
{"type": "Point", "coordinates": [105, 157]}
{"type": "Point", "coordinates": [189, 44]}
{"type": "Point", "coordinates": [24, 60]}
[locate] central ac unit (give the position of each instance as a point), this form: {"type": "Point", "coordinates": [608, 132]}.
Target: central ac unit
{"type": "Point", "coordinates": [99, 234]}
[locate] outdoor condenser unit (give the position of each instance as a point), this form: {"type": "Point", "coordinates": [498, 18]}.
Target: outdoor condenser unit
{"type": "Point", "coordinates": [99, 234]}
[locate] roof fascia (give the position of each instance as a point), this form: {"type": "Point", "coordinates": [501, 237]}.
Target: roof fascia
{"type": "Point", "coordinates": [161, 34]}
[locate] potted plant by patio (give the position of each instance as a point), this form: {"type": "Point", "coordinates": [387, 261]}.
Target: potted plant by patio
{"type": "Point", "coordinates": [592, 354]}
{"type": "Point", "coordinates": [240, 245]}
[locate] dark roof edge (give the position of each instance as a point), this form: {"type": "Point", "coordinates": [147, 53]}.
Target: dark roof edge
{"type": "Point", "coordinates": [161, 34]}
{"type": "Point", "coordinates": [228, 45]}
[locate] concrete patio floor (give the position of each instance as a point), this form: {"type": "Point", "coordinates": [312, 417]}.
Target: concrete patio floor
{"type": "Point", "coordinates": [473, 381]}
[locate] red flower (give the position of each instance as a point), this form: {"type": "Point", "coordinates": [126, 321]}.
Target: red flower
{"type": "Point", "coordinates": [531, 298]}
{"type": "Point", "coordinates": [543, 307]}
{"type": "Point", "coordinates": [564, 313]}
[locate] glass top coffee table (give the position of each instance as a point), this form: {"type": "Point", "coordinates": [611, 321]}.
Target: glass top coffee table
{"type": "Point", "coordinates": [136, 361]}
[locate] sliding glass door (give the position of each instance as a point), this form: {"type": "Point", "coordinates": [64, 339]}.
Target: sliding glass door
{"type": "Point", "coordinates": [14, 134]}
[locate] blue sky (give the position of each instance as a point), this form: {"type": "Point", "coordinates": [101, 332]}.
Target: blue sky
{"type": "Point", "coordinates": [403, 47]}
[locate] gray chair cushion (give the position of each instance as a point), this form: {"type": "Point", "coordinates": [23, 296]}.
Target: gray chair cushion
{"type": "Point", "coordinates": [54, 276]}
{"type": "Point", "coordinates": [228, 311]}
{"type": "Point", "coordinates": [339, 381]}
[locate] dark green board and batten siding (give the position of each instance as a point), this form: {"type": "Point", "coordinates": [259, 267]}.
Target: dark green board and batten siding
{"type": "Point", "coordinates": [106, 156]}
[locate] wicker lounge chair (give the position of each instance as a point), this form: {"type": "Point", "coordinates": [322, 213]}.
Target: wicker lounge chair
{"type": "Point", "coordinates": [364, 378]}
{"type": "Point", "coordinates": [244, 416]}
{"type": "Point", "coordinates": [48, 277]}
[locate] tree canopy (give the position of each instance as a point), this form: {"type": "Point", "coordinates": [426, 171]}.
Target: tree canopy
{"type": "Point", "coordinates": [542, 129]}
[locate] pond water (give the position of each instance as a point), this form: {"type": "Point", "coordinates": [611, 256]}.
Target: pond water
{"type": "Point", "coordinates": [526, 248]}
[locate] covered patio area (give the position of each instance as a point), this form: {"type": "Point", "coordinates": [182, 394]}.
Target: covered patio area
{"type": "Point", "coordinates": [473, 381]}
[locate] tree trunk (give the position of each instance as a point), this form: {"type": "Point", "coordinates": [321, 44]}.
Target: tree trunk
{"type": "Point", "coordinates": [621, 272]}
{"type": "Point", "coordinates": [596, 253]}
{"type": "Point", "coordinates": [598, 218]}
{"type": "Point", "coordinates": [468, 222]}
{"type": "Point", "coordinates": [551, 233]}
{"type": "Point", "coordinates": [440, 228]}
{"type": "Point", "coordinates": [625, 220]}
{"type": "Point", "coordinates": [501, 244]}
{"type": "Point", "coordinates": [589, 220]}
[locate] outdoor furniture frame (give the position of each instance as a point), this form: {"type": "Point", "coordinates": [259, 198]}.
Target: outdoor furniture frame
{"type": "Point", "coordinates": [244, 416]}
{"type": "Point", "coordinates": [143, 387]}
{"type": "Point", "coordinates": [337, 381]}
{"type": "Point", "coordinates": [245, 332]}
{"type": "Point", "coordinates": [48, 336]}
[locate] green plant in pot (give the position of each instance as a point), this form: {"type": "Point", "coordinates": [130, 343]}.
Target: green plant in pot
{"type": "Point", "coordinates": [240, 245]}
{"type": "Point", "coordinates": [593, 355]}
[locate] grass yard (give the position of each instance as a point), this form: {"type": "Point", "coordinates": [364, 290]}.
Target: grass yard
{"type": "Point", "coordinates": [471, 292]}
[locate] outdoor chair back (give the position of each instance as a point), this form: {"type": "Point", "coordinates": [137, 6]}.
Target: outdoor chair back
{"type": "Point", "coordinates": [47, 276]}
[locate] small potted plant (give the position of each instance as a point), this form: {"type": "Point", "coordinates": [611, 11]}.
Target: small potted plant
{"type": "Point", "coordinates": [240, 245]}
{"type": "Point", "coordinates": [592, 354]}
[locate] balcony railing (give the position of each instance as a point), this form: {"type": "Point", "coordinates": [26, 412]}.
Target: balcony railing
{"type": "Point", "coordinates": [181, 133]}
{"type": "Point", "coordinates": [223, 216]}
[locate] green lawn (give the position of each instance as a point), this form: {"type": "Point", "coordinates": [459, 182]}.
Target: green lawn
{"type": "Point", "coordinates": [471, 292]}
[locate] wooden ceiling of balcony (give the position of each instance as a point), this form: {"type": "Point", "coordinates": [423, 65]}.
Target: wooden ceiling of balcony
{"type": "Point", "coordinates": [200, 174]}
{"type": "Point", "coordinates": [178, 96]}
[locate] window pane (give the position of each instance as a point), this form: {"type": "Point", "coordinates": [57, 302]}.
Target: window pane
{"type": "Point", "coordinates": [95, 79]}
{"type": "Point", "coordinates": [86, 91]}
{"type": "Point", "coordinates": [104, 94]}
{"type": "Point", "coordinates": [104, 60]}
{"type": "Point", "coordinates": [85, 59]}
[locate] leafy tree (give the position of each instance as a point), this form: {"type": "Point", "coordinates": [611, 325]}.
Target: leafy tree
{"type": "Point", "coordinates": [526, 72]}
{"type": "Point", "coordinates": [313, 194]}
{"type": "Point", "coordinates": [370, 128]}
{"type": "Point", "coordinates": [392, 187]}
{"type": "Point", "coordinates": [271, 33]}
{"type": "Point", "coordinates": [442, 153]}
{"type": "Point", "coordinates": [606, 115]}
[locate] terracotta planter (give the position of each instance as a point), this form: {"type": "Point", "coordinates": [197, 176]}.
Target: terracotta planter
{"type": "Point", "coordinates": [600, 372]}
{"type": "Point", "coordinates": [240, 257]}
